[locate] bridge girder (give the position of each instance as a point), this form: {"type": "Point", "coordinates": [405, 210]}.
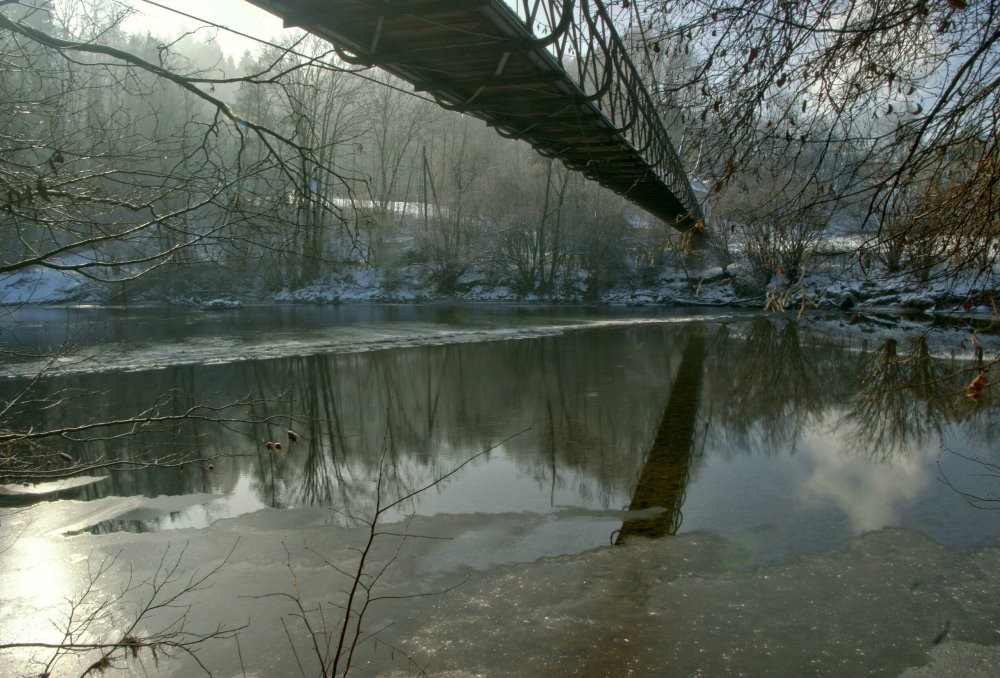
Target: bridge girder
{"type": "Point", "coordinates": [553, 73]}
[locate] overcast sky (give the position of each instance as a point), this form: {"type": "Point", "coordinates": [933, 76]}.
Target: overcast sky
{"type": "Point", "coordinates": [236, 14]}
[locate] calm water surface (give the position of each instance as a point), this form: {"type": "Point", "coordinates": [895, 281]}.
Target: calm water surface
{"type": "Point", "coordinates": [572, 431]}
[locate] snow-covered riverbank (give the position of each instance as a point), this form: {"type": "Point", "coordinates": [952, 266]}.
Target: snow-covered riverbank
{"type": "Point", "coordinates": [842, 287]}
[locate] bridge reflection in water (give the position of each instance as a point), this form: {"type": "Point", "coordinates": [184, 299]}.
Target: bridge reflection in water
{"type": "Point", "coordinates": [665, 474]}
{"type": "Point", "coordinates": [553, 73]}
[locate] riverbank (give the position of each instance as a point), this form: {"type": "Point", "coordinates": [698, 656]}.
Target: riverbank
{"type": "Point", "coordinates": [837, 285]}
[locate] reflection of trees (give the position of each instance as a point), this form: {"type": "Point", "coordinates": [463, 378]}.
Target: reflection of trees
{"type": "Point", "coordinates": [769, 383]}
{"type": "Point", "coordinates": [593, 400]}
{"type": "Point", "coordinates": [589, 397]}
{"type": "Point", "coordinates": [598, 402]}
{"type": "Point", "coordinates": [129, 421]}
{"type": "Point", "coordinates": [765, 386]}
{"type": "Point", "coordinates": [904, 397]}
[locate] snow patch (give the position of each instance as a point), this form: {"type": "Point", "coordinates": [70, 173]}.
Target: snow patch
{"type": "Point", "coordinates": [37, 285]}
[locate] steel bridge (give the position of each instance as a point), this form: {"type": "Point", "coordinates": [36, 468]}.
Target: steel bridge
{"type": "Point", "coordinates": [551, 72]}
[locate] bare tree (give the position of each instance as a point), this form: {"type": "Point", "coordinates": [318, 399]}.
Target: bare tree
{"type": "Point", "coordinates": [332, 639]}
{"type": "Point", "coordinates": [396, 123]}
{"type": "Point", "coordinates": [886, 108]}
{"type": "Point", "coordinates": [101, 176]}
{"type": "Point", "coordinates": [155, 614]}
{"type": "Point", "coordinates": [321, 110]}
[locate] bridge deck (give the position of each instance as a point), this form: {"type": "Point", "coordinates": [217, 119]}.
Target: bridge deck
{"type": "Point", "coordinates": [480, 58]}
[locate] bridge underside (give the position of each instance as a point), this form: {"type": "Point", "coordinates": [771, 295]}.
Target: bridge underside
{"type": "Point", "coordinates": [479, 57]}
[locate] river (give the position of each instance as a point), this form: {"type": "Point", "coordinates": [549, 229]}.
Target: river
{"type": "Point", "coordinates": [559, 491]}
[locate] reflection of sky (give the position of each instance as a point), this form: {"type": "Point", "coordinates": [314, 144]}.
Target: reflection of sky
{"type": "Point", "coordinates": [771, 506]}
{"type": "Point", "coordinates": [871, 494]}
{"type": "Point", "coordinates": [174, 513]}
{"type": "Point", "coordinates": [813, 499]}
{"type": "Point", "coordinates": [496, 485]}
{"type": "Point", "coordinates": [38, 576]}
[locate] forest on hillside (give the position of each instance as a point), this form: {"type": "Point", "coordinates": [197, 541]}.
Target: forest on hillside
{"type": "Point", "coordinates": [160, 168]}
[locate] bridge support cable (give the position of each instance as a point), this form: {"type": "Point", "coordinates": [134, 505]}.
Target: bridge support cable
{"type": "Point", "coordinates": [553, 73]}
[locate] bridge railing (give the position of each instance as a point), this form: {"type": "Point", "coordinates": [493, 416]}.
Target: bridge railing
{"type": "Point", "coordinates": [580, 35]}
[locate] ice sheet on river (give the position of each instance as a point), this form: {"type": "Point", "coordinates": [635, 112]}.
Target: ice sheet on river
{"type": "Point", "coordinates": [26, 492]}
{"type": "Point", "coordinates": [240, 346]}
{"type": "Point", "coordinates": [891, 601]}
{"type": "Point", "coordinates": [236, 343]}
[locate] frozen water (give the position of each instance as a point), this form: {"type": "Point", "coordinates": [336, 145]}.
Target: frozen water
{"type": "Point", "coordinates": [889, 602]}
{"type": "Point", "coordinates": [240, 343]}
